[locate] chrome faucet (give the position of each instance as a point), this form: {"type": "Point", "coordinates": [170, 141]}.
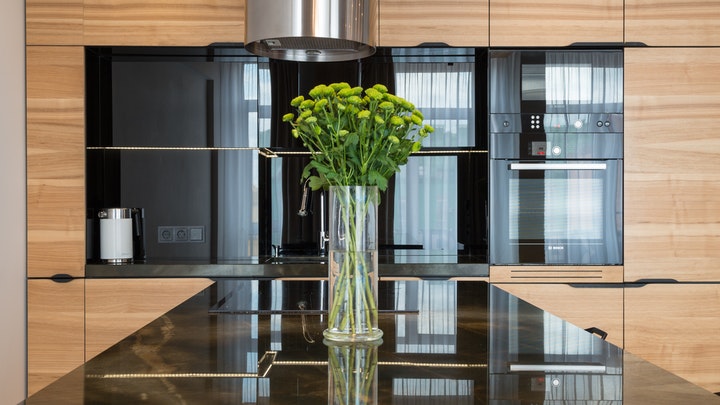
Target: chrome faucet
{"type": "Point", "coordinates": [305, 210]}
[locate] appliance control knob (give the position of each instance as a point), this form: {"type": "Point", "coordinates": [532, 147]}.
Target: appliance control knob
{"type": "Point", "coordinates": [607, 123]}
{"type": "Point", "coordinates": [599, 124]}
{"type": "Point", "coordinates": [578, 124]}
{"type": "Point", "coordinates": [506, 124]}
{"type": "Point", "coordinates": [556, 150]}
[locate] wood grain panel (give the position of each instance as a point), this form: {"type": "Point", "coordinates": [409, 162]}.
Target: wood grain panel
{"type": "Point", "coordinates": [555, 22]}
{"type": "Point", "coordinates": [673, 22]}
{"type": "Point", "coordinates": [163, 22]}
{"type": "Point", "coordinates": [585, 307]}
{"type": "Point", "coordinates": [676, 327]}
{"type": "Point", "coordinates": [556, 274]}
{"type": "Point", "coordinates": [455, 22]}
{"type": "Point", "coordinates": [55, 160]}
{"type": "Point", "coordinates": [55, 330]}
{"type": "Point", "coordinates": [53, 22]}
{"type": "Point", "coordinates": [672, 164]}
{"type": "Point", "coordinates": [118, 307]}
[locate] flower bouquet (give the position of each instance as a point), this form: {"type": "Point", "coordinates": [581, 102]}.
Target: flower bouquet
{"type": "Point", "coordinates": [358, 139]}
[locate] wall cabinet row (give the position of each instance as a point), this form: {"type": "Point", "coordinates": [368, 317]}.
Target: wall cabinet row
{"type": "Point", "coordinates": [402, 22]}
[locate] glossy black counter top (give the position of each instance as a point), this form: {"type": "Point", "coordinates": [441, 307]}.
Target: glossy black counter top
{"type": "Point", "coordinates": [454, 342]}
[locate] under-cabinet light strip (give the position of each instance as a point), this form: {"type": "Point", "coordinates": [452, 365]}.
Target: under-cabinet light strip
{"type": "Point", "coordinates": [276, 363]}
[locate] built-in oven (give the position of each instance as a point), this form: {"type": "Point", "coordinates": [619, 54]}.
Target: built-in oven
{"type": "Point", "coordinates": [556, 157]}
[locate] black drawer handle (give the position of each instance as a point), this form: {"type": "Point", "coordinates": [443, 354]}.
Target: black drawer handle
{"type": "Point", "coordinates": [597, 331]}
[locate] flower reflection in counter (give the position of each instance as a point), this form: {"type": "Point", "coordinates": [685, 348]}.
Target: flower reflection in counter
{"type": "Point", "coordinates": [352, 372]}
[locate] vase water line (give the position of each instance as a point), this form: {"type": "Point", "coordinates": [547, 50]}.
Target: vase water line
{"type": "Point", "coordinates": [352, 265]}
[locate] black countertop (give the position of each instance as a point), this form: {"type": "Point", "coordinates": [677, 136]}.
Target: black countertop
{"type": "Point", "coordinates": [454, 342]}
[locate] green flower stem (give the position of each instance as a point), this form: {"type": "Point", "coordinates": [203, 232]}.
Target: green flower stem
{"type": "Point", "coordinates": [353, 308]}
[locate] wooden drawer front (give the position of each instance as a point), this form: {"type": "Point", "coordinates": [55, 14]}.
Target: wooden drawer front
{"type": "Point", "coordinates": [53, 22]}
{"type": "Point", "coordinates": [585, 306]}
{"type": "Point", "coordinates": [673, 22]}
{"type": "Point", "coordinates": [676, 327]}
{"type": "Point", "coordinates": [56, 344]}
{"type": "Point", "coordinates": [672, 164]}
{"type": "Point", "coordinates": [163, 22]}
{"type": "Point", "coordinates": [118, 307]}
{"type": "Point", "coordinates": [556, 274]}
{"type": "Point", "coordinates": [411, 22]}
{"type": "Point", "coordinates": [55, 161]}
{"type": "Point", "coordinates": [555, 22]}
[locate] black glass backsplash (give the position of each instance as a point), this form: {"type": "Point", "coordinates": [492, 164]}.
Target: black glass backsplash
{"type": "Point", "coordinates": [194, 137]}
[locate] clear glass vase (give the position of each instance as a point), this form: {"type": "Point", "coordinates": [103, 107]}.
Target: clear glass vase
{"type": "Point", "coordinates": [352, 372]}
{"type": "Point", "coordinates": [353, 263]}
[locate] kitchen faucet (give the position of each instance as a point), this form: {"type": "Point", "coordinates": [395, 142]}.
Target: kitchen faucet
{"type": "Point", "coordinates": [305, 210]}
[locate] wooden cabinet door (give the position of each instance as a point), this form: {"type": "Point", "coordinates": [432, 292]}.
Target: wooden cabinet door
{"type": "Point", "coordinates": [673, 22]}
{"type": "Point", "coordinates": [54, 22]}
{"type": "Point", "coordinates": [454, 22]}
{"type": "Point", "coordinates": [115, 308]}
{"type": "Point", "coordinates": [55, 161]}
{"type": "Point", "coordinates": [583, 305]}
{"type": "Point", "coordinates": [555, 22]}
{"type": "Point", "coordinates": [676, 327]}
{"type": "Point", "coordinates": [55, 330]}
{"type": "Point", "coordinates": [672, 164]}
{"type": "Point", "coordinates": [163, 22]}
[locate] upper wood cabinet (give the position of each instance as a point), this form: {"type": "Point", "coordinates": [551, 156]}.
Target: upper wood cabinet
{"type": "Point", "coordinates": [454, 22]}
{"type": "Point", "coordinates": [672, 164]}
{"type": "Point", "coordinates": [54, 22]}
{"type": "Point", "coordinates": [55, 161]}
{"type": "Point", "coordinates": [673, 22]}
{"type": "Point", "coordinates": [555, 22]}
{"type": "Point", "coordinates": [163, 22]}
{"type": "Point", "coordinates": [675, 326]}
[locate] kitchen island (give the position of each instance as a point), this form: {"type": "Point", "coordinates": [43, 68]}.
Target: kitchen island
{"type": "Point", "coordinates": [467, 342]}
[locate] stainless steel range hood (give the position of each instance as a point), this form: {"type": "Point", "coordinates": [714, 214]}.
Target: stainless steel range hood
{"type": "Point", "coordinates": [311, 30]}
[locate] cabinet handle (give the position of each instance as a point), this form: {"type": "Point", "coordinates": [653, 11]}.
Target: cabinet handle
{"type": "Point", "coordinates": [62, 278]}
{"type": "Point", "coordinates": [597, 331]}
{"type": "Point", "coordinates": [558, 166]}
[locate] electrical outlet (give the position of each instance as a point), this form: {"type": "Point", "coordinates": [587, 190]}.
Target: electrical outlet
{"type": "Point", "coordinates": [181, 234]}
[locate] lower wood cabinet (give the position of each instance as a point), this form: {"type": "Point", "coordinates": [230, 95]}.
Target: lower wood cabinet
{"type": "Point", "coordinates": [583, 305]}
{"type": "Point", "coordinates": [55, 330]}
{"type": "Point", "coordinates": [115, 308]}
{"type": "Point", "coordinates": [71, 322]}
{"type": "Point", "coordinates": [677, 327]}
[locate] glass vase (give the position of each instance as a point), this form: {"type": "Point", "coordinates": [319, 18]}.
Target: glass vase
{"type": "Point", "coordinates": [352, 265]}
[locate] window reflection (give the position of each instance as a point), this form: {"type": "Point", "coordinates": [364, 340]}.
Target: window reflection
{"type": "Point", "coordinates": [433, 329]}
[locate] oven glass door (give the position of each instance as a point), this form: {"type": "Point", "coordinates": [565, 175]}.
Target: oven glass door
{"type": "Point", "coordinates": [556, 212]}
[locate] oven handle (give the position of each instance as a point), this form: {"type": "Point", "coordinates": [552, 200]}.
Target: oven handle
{"type": "Point", "coordinates": [558, 166]}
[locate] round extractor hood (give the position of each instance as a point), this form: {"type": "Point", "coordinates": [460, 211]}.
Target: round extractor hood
{"type": "Point", "coordinates": [311, 30]}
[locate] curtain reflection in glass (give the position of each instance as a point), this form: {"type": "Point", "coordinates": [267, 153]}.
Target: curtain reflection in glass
{"type": "Point", "coordinates": [433, 329]}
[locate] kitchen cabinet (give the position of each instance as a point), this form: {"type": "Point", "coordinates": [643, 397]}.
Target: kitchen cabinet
{"type": "Point", "coordinates": [115, 308]}
{"type": "Point", "coordinates": [584, 305]}
{"type": "Point", "coordinates": [672, 213]}
{"type": "Point", "coordinates": [411, 23]}
{"type": "Point", "coordinates": [672, 23]}
{"type": "Point", "coordinates": [55, 161]}
{"type": "Point", "coordinates": [555, 22]}
{"type": "Point", "coordinates": [55, 330]}
{"type": "Point", "coordinates": [53, 22]}
{"type": "Point", "coordinates": [163, 22]}
{"type": "Point", "coordinates": [675, 326]}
